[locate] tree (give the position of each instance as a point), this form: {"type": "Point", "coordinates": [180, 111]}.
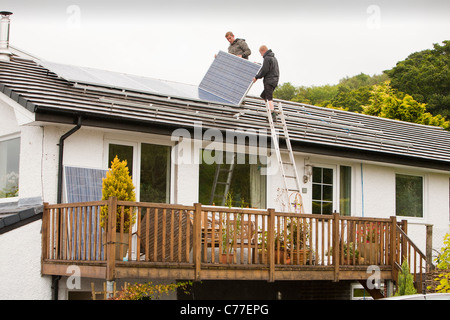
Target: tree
{"type": "Point", "coordinates": [118, 183]}
{"type": "Point", "coordinates": [405, 281]}
{"type": "Point", "coordinates": [389, 103]}
{"type": "Point", "coordinates": [351, 100]}
{"type": "Point", "coordinates": [285, 92]}
{"type": "Point", "coordinates": [425, 75]}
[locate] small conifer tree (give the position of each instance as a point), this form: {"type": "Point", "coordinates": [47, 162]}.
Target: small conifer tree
{"type": "Point", "coordinates": [118, 183]}
{"type": "Point", "coordinates": [405, 281]}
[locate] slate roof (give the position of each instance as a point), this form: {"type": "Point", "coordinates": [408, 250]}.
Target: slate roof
{"type": "Point", "coordinates": [14, 217]}
{"type": "Point", "coordinates": [312, 129]}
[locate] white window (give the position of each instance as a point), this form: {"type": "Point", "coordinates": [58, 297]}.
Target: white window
{"type": "Point", "coordinates": [409, 196]}
{"type": "Point", "coordinates": [9, 167]}
{"type": "Point", "coordinates": [332, 190]}
{"type": "Point", "coordinates": [149, 166]}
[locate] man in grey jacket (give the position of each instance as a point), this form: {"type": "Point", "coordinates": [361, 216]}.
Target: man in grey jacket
{"type": "Point", "coordinates": [238, 47]}
{"type": "Point", "coordinates": [271, 74]}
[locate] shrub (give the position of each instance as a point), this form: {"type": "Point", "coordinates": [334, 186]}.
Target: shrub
{"type": "Point", "coordinates": [118, 184]}
{"type": "Point", "coordinates": [405, 281]}
{"type": "Point", "coordinates": [443, 261]}
{"type": "Point", "coordinates": [149, 291]}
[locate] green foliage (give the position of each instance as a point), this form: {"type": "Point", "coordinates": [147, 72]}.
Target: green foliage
{"type": "Point", "coordinates": [285, 92]}
{"type": "Point", "coordinates": [387, 102]}
{"type": "Point", "coordinates": [405, 281]}
{"type": "Point", "coordinates": [443, 259]}
{"type": "Point", "coordinates": [118, 183]}
{"type": "Point", "coordinates": [425, 75]}
{"type": "Point", "coordinates": [443, 263]}
{"type": "Point", "coordinates": [150, 291]}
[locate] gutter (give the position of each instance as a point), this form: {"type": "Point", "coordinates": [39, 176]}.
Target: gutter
{"type": "Point", "coordinates": [55, 279]}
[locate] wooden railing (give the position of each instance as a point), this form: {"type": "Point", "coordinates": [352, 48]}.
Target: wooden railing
{"type": "Point", "coordinates": [417, 261]}
{"type": "Point", "coordinates": [201, 236]}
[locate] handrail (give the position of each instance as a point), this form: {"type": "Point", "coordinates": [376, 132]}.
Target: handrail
{"type": "Point", "coordinates": [196, 236]}
{"type": "Point", "coordinates": [411, 243]}
{"type": "Point", "coordinates": [417, 268]}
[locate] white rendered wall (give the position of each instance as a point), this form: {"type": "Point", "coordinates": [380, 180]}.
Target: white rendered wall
{"type": "Point", "coordinates": [20, 265]}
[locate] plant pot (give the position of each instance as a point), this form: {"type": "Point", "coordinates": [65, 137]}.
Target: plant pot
{"type": "Point", "coordinates": [300, 254]}
{"type": "Point", "coordinates": [349, 262]}
{"type": "Point", "coordinates": [223, 258]}
{"type": "Point", "coordinates": [368, 251]}
{"type": "Point", "coordinates": [124, 244]}
{"type": "Point", "coordinates": [279, 256]}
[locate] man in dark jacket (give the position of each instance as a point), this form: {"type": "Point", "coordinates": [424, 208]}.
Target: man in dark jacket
{"type": "Point", "coordinates": [271, 74]}
{"type": "Point", "coordinates": [238, 47]}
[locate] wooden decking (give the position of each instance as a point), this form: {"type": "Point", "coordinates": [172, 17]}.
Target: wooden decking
{"type": "Point", "coordinates": [187, 242]}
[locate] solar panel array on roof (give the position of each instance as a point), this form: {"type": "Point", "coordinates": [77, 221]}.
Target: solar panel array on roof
{"type": "Point", "coordinates": [124, 81]}
{"type": "Point", "coordinates": [227, 81]}
{"type": "Point", "coordinates": [229, 77]}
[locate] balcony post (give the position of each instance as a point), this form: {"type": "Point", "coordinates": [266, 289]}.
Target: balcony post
{"type": "Point", "coordinates": [271, 246]}
{"type": "Point", "coordinates": [111, 240]}
{"type": "Point", "coordinates": [336, 246]}
{"type": "Point", "coordinates": [197, 241]}
{"type": "Point", "coordinates": [45, 234]}
{"type": "Point", "coordinates": [393, 245]}
{"type": "Point", "coordinates": [429, 247]}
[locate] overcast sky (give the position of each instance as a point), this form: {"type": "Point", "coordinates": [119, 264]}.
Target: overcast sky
{"type": "Point", "coordinates": [316, 42]}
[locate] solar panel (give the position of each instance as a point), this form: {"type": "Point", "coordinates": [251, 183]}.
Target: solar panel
{"type": "Point", "coordinates": [84, 184]}
{"type": "Point", "coordinates": [229, 78]}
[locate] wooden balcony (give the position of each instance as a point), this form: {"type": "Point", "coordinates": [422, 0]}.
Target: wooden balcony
{"type": "Point", "coordinates": [187, 242]}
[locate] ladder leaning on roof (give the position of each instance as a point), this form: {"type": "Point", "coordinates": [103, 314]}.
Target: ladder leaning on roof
{"type": "Point", "coordinates": [291, 183]}
{"type": "Point", "coordinates": [217, 181]}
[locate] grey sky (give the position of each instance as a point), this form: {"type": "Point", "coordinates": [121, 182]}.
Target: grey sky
{"type": "Point", "coordinates": [316, 42]}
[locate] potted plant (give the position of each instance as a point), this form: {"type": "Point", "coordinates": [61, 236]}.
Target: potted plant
{"type": "Point", "coordinates": [281, 254]}
{"type": "Point", "coordinates": [297, 238]}
{"type": "Point", "coordinates": [118, 183]}
{"type": "Point", "coordinates": [350, 254]}
{"type": "Point", "coordinates": [368, 238]}
{"type": "Point", "coordinates": [230, 230]}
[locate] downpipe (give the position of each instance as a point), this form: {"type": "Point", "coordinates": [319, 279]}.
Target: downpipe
{"type": "Point", "coordinates": [55, 279]}
{"type": "Point", "coordinates": [61, 157]}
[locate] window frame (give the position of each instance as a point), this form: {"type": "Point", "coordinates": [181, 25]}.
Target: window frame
{"type": "Point", "coordinates": [225, 148]}
{"type": "Point", "coordinates": [8, 137]}
{"type": "Point", "coordinates": [335, 186]}
{"type": "Point", "coordinates": [424, 193]}
{"type": "Point", "coordinates": [137, 153]}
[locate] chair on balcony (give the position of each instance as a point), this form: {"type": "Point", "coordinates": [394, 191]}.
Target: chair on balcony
{"type": "Point", "coordinates": [172, 237]}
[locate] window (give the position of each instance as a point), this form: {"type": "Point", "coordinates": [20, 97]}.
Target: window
{"type": "Point", "coordinates": [408, 195]}
{"type": "Point", "coordinates": [9, 168]}
{"type": "Point", "coordinates": [153, 175]}
{"type": "Point", "coordinates": [322, 196]}
{"type": "Point", "coordinates": [243, 182]}
{"type": "Point", "coordinates": [123, 152]}
{"type": "Point", "coordinates": [345, 190]}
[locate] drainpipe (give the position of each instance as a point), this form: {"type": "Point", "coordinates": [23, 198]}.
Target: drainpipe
{"type": "Point", "coordinates": [61, 157]}
{"type": "Point", "coordinates": [55, 279]}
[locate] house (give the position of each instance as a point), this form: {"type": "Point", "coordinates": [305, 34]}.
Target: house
{"type": "Point", "coordinates": [62, 125]}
